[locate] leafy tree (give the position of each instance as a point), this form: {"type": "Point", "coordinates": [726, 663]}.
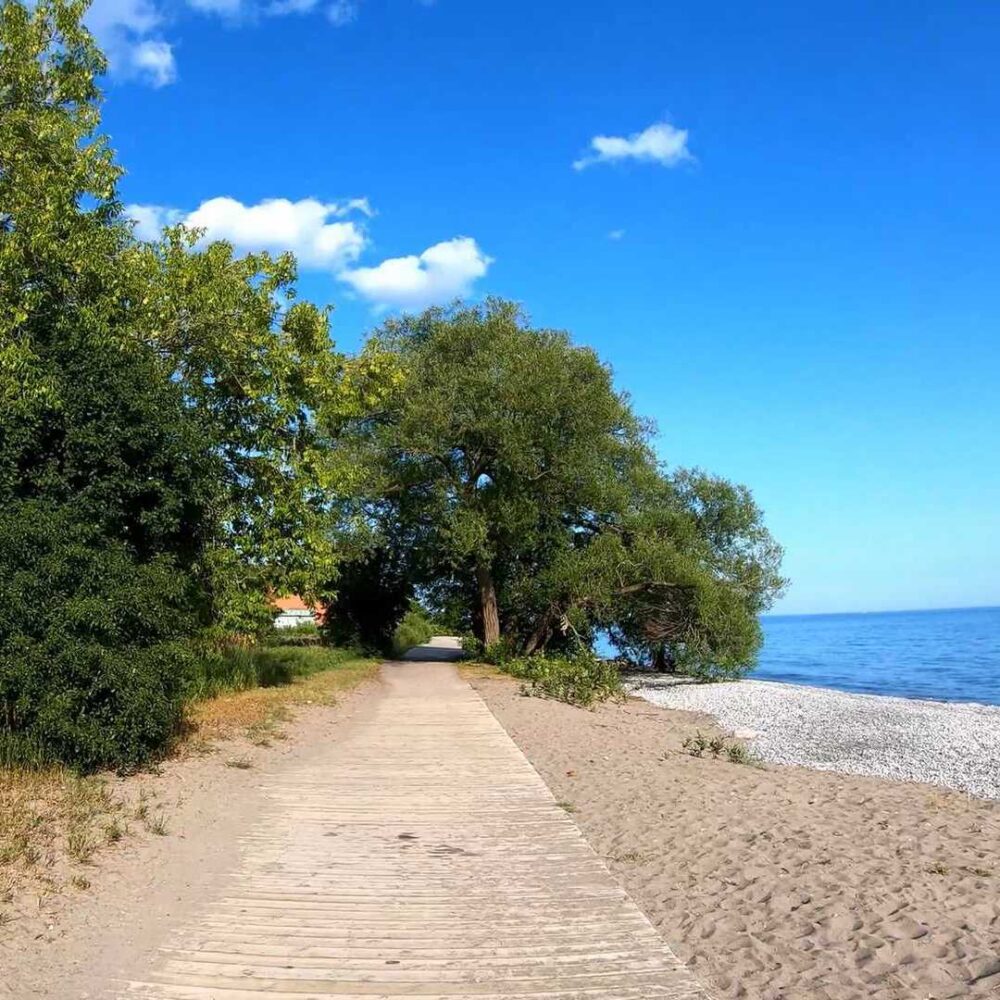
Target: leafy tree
{"type": "Point", "coordinates": [528, 493]}
{"type": "Point", "coordinates": [106, 486]}
{"type": "Point", "coordinates": [255, 367]}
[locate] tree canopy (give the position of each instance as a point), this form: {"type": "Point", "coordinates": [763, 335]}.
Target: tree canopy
{"type": "Point", "coordinates": [528, 496]}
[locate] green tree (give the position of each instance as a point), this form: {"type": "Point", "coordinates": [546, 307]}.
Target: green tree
{"type": "Point", "coordinates": [258, 369]}
{"type": "Point", "coordinates": [526, 488]}
{"type": "Point", "coordinates": [106, 486]}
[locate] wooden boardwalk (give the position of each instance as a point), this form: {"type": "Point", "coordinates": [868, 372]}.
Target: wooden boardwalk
{"type": "Point", "coordinates": [423, 857]}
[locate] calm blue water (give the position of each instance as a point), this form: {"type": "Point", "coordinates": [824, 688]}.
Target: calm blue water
{"type": "Point", "coordinates": [945, 655]}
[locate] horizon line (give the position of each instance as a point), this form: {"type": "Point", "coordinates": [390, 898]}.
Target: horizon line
{"type": "Point", "coordinates": [886, 611]}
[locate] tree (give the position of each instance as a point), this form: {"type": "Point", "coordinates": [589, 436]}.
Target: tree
{"type": "Point", "coordinates": [257, 368]}
{"type": "Point", "coordinates": [497, 434]}
{"type": "Point", "coordinates": [106, 486]}
{"type": "Point", "coordinates": [528, 491]}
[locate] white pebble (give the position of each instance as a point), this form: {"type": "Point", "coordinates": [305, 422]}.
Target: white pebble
{"type": "Point", "coordinates": [956, 744]}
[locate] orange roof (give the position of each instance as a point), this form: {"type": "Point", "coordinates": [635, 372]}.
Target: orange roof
{"type": "Point", "coordinates": [291, 603]}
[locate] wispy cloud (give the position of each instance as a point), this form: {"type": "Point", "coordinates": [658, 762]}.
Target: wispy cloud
{"type": "Point", "coordinates": [661, 143]}
{"type": "Point", "coordinates": [437, 275]}
{"type": "Point", "coordinates": [342, 12]}
{"type": "Point", "coordinates": [616, 234]}
{"type": "Point", "coordinates": [129, 33]}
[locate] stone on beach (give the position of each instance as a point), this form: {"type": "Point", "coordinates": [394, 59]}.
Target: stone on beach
{"type": "Point", "coordinates": [955, 744]}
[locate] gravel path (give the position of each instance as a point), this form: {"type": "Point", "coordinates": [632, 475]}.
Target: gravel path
{"type": "Point", "coordinates": [944, 743]}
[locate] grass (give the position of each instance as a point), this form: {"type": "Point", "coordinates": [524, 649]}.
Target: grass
{"type": "Point", "coordinates": [53, 822]}
{"type": "Point", "coordinates": [735, 753]}
{"type": "Point", "coordinates": [310, 676]}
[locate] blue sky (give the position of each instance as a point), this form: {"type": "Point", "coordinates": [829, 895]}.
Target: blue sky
{"type": "Point", "coordinates": [778, 222]}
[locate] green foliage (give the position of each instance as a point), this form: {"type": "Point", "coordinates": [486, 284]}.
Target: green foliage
{"type": "Point", "coordinates": [303, 634]}
{"type": "Point", "coordinates": [718, 746]}
{"type": "Point", "coordinates": [534, 505]}
{"type": "Point", "coordinates": [372, 597]}
{"type": "Point", "coordinates": [578, 679]}
{"type": "Point", "coordinates": [106, 486]}
{"type": "Point", "coordinates": [239, 668]}
{"type": "Point", "coordinates": [415, 629]}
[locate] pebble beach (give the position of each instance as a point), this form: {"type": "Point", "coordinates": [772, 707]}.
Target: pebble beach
{"type": "Point", "coordinates": [953, 744]}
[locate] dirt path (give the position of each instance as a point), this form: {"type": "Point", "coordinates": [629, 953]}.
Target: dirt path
{"type": "Point", "coordinates": [414, 852]}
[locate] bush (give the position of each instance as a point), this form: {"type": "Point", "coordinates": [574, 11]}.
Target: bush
{"type": "Point", "coordinates": [580, 678]}
{"type": "Point", "coordinates": [414, 630]}
{"type": "Point", "coordinates": [304, 634]}
{"type": "Point", "coordinates": [93, 649]}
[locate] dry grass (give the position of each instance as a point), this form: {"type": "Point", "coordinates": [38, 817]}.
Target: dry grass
{"type": "Point", "coordinates": [257, 713]}
{"type": "Point", "coordinates": [53, 823]}
{"type": "Point", "coordinates": [478, 671]}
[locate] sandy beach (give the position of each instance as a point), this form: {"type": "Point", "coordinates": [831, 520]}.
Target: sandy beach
{"type": "Point", "coordinates": [776, 882]}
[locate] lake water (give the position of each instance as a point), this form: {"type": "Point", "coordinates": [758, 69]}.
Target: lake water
{"type": "Point", "coordinates": [944, 655]}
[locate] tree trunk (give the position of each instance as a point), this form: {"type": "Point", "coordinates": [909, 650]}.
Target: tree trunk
{"type": "Point", "coordinates": [539, 638]}
{"type": "Point", "coordinates": [489, 615]}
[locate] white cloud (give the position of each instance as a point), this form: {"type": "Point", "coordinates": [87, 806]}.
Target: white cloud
{"type": "Point", "coordinates": [127, 31]}
{"type": "Point", "coordinates": [150, 219]}
{"type": "Point", "coordinates": [440, 273]}
{"type": "Point", "coordinates": [616, 234]}
{"type": "Point", "coordinates": [154, 61]}
{"type": "Point", "coordinates": [318, 233]}
{"type": "Point", "coordinates": [660, 143]}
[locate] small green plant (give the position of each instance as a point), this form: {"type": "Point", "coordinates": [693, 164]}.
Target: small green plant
{"type": "Point", "coordinates": [696, 745]}
{"type": "Point", "coordinates": [157, 825]}
{"type": "Point", "coordinates": [79, 882]}
{"type": "Point", "coordinates": [240, 763]}
{"type": "Point", "coordinates": [581, 678]}
{"type": "Point", "coordinates": [80, 844]}
{"type": "Point", "coordinates": [114, 830]}
{"type": "Point", "coordinates": [567, 806]}
{"type": "Point", "coordinates": [717, 746]}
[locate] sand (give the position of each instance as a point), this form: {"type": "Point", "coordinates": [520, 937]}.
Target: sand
{"type": "Point", "coordinates": [778, 882]}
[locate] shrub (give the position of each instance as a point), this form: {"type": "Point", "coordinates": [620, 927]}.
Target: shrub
{"type": "Point", "coordinates": [92, 645]}
{"type": "Point", "coordinates": [472, 647]}
{"type": "Point", "coordinates": [580, 678]}
{"type": "Point", "coordinates": [415, 629]}
{"type": "Point", "coordinates": [304, 634]}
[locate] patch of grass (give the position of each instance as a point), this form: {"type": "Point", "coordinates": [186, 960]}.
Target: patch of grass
{"type": "Point", "coordinates": [717, 746]}
{"type": "Point", "coordinates": [240, 763]}
{"type": "Point", "coordinates": [568, 806]}
{"type": "Point", "coordinates": [114, 831]}
{"type": "Point", "coordinates": [46, 815]}
{"type": "Point", "coordinates": [80, 883]}
{"type": "Point", "coordinates": [157, 824]}
{"type": "Point", "coordinates": [80, 845]}
{"type": "Point", "coordinates": [938, 869]}
{"type": "Point", "coordinates": [628, 858]}
{"type": "Point", "coordinates": [317, 675]}
{"type": "Point", "coordinates": [478, 671]}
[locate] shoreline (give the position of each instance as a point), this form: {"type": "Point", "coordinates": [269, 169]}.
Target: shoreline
{"type": "Point", "coordinates": [774, 881]}
{"type": "Point", "coordinates": [954, 744]}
